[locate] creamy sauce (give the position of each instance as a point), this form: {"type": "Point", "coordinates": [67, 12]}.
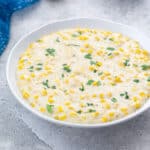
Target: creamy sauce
{"type": "Point", "coordinates": [84, 75]}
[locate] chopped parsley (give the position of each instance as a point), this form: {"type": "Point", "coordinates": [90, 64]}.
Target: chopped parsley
{"type": "Point", "coordinates": [50, 52]}
{"type": "Point", "coordinates": [93, 62]}
{"type": "Point", "coordinates": [57, 40]}
{"type": "Point", "coordinates": [53, 87]}
{"type": "Point", "coordinates": [100, 73]}
{"type": "Point", "coordinates": [145, 67]}
{"type": "Point", "coordinates": [109, 54]}
{"type": "Point", "coordinates": [114, 99]}
{"type": "Point", "coordinates": [91, 110]}
{"type": "Point", "coordinates": [126, 63]}
{"type": "Point", "coordinates": [46, 84]}
{"type": "Point", "coordinates": [148, 79]}
{"type": "Point", "coordinates": [136, 80]}
{"type": "Point", "coordinates": [62, 75]}
{"type": "Point", "coordinates": [49, 108]}
{"type": "Point", "coordinates": [88, 56]}
{"type": "Point", "coordinates": [89, 104]}
{"type": "Point", "coordinates": [90, 82]}
{"type": "Point", "coordinates": [39, 64]}
{"type": "Point", "coordinates": [82, 88]}
{"type": "Point", "coordinates": [38, 68]}
{"type": "Point", "coordinates": [111, 39]}
{"type": "Point", "coordinates": [110, 48]}
{"type": "Point", "coordinates": [98, 83]}
{"type": "Point", "coordinates": [79, 111]}
{"type": "Point", "coordinates": [66, 68]}
{"type": "Point", "coordinates": [125, 94]}
{"type": "Point", "coordinates": [31, 68]}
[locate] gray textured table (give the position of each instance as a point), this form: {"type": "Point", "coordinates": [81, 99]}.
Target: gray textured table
{"type": "Point", "coordinates": [20, 130]}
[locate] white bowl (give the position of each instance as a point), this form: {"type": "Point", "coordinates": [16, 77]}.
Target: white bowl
{"type": "Point", "coordinates": [58, 25]}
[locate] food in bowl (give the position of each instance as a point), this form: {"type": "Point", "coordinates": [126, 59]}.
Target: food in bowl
{"type": "Point", "coordinates": [85, 76]}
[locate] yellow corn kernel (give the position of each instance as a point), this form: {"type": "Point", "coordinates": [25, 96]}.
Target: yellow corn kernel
{"type": "Point", "coordinates": [121, 49]}
{"type": "Point", "coordinates": [109, 94]}
{"type": "Point", "coordinates": [102, 100]}
{"type": "Point", "coordinates": [86, 45]}
{"type": "Point", "coordinates": [116, 53]}
{"type": "Point", "coordinates": [25, 94]}
{"type": "Point", "coordinates": [137, 105]}
{"type": "Point", "coordinates": [97, 38]}
{"type": "Point", "coordinates": [82, 105]}
{"type": "Point", "coordinates": [31, 45]}
{"type": "Point", "coordinates": [36, 97]}
{"type": "Point", "coordinates": [22, 77]}
{"type": "Point", "coordinates": [32, 104]}
{"type": "Point", "coordinates": [83, 117]}
{"type": "Point", "coordinates": [64, 38]}
{"type": "Point", "coordinates": [94, 95]}
{"type": "Point", "coordinates": [95, 114]}
{"type": "Point", "coordinates": [99, 64]}
{"type": "Point", "coordinates": [83, 38]}
{"type": "Point", "coordinates": [60, 109]}
{"type": "Point", "coordinates": [100, 52]}
{"type": "Point", "coordinates": [117, 79]}
{"type": "Point", "coordinates": [62, 117]}
{"type": "Point", "coordinates": [42, 109]}
{"type": "Point", "coordinates": [101, 95]}
{"type": "Point", "coordinates": [44, 92]}
{"type": "Point", "coordinates": [111, 114]}
{"type": "Point", "coordinates": [107, 106]}
{"type": "Point", "coordinates": [106, 73]}
{"type": "Point", "coordinates": [134, 98]}
{"type": "Point", "coordinates": [82, 50]}
{"type": "Point", "coordinates": [50, 100]}
{"type": "Point", "coordinates": [91, 67]}
{"type": "Point", "coordinates": [137, 51]}
{"type": "Point", "coordinates": [66, 81]}
{"type": "Point", "coordinates": [67, 103]}
{"type": "Point", "coordinates": [82, 97]}
{"type": "Point", "coordinates": [32, 75]}
{"type": "Point", "coordinates": [20, 67]}
{"type": "Point", "coordinates": [124, 110]}
{"type": "Point", "coordinates": [73, 114]}
{"type": "Point", "coordinates": [145, 52]}
{"type": "Point", "coordinates": [95, 83]}
{"type": "Point", "coordinates": [142, 94]}
{"type": "Point", "coordinates": [104, 119]}
{"type": "Point", "coordinates": [90, 51]}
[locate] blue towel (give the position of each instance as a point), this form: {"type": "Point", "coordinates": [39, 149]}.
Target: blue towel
{"type": "Point", "coordinates": [7, 7]}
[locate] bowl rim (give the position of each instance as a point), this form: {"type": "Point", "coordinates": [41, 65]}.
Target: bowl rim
{"type": "Point", "coordinates": [65, 123]}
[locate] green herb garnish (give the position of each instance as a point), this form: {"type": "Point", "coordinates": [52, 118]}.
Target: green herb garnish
{"type": "Point", "coordinates": [31, 68]}
{"type": "Point", "coordinates": [92, 110]}
{"type": "Point", "coordinates": [79, 111]}
{"type": "Point", "coordinates": [89, 104]}
{"type": "Point", "coordinates": [49, 108]}
{"type": "Point", "coordinates": [122, 94]}
{"type": "Point", "coordinates": [110, 48]}
{"type": "Point", "coordinates": [62, 75]}
{"type": "Point", "coordinates": [100, 73]}
{"type": "Point", "coordinates": [126, 63]}
{"type": "Point", "coordinates": [145, 67]}
{"type": "Point", "coordinates": [136, 80]}
{"type": "Point", "coordinates": [66, 68]}
{"type": "Point", "coordinates": [126, 95]}
{"type": "Point", "coordinates": [93, 62]}
{"type": "Point", "coordinates": [109, 54]}
{"type": "Point", "coordinates": [53, 87]}
{"type": "Point", "coordinates": [114, 99]}
{"type": "Point", "coordinates": [57, 40]}
{"type": "Point", "coordinates": [88, 56]}
{"type": "Point", "coordinates": [90, 82]}
{"type": "Point", "coordinates": [39, 64]}
{"type": "Point", "coordinates": [50, 51]}
{"type": "Point", "coordinates": [148, 79]}
{"type": "Point", "coordinates": [82, 88]}
{"type": "Point", "coordinates": [45, 83]}
{"type": "Point", "coordinates": [111, 39]}
{"type": "Point", "coordinates": [38, 69]}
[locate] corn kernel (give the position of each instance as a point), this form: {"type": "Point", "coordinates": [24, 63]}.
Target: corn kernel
{"type": "Point", "coordinates": [83, 38]}
{"type": "Point", "coordinates": [111, 114]}
{"type": "Point", "coordinates": [102, 100]}
{"type": "Point", "coordinates": [95, 114]}
{"type": "Point", "coordinates": [42, 109]}
{"type": "Point", "coordinates": [82, 50]}
{"type": "Point", "coordinates": [32, 75]}
{"type": "Point", "coordinates": [60, 109]}
{"type": "Point", "coordinates": [107, 106]}
{"type": "Point", "coordinates": [99, 64]}
{"type": "Point", "coordinates": [90, 51]}
{"type": "Point", "coordinates": [137, 105]}
{"type": "Point", "coordinates": [86, 45]}
{"type": "Point", "coordinates": [142, 94]}
{"type": "Point", "coordinates": [22, 77]}
{"type": "Point", "coordinates": [25, 94]}
{"type": "Point", "coordinates": [101, 95]}
{"type": "Point", "coordinates": [94, 95]}
{"type": "Point", "coordinates": [62, 117]}
{"type": "Point", "coordinates": [97, 38]}
{"type": "Point", "coordinates": [67, 103]}
{"type": "Point", "coordinates": [109, 94]}
{"type": "Point", "coordinates": [32, 104]}
{"type": "Point", "coordinates": [35, 97]}
{"type": "Point", "coordinates": [44, 92]}
{"type": "Point", "coordinates": [73, 114]}
{"type": "Point", "coordinates": [104, 119]}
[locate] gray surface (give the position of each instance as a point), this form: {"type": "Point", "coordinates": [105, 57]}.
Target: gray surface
{"type": "Point", "coordinates": [20, 130]}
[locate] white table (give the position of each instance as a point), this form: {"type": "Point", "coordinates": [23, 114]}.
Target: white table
{"type": "Point", "coordinates": [15, 134]}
